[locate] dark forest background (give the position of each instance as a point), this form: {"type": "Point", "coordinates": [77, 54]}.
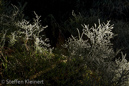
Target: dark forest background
{"type": "Point", "coordinates": [61, 9]}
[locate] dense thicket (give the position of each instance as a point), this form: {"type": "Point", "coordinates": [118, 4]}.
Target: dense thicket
{"type": "Point", "coordinates": [57, 14]}
{"type": "Point", "coordinates": [66, 47]}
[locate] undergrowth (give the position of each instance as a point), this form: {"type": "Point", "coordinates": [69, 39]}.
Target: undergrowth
{"type": "Point", "coordinates": [87, 59]}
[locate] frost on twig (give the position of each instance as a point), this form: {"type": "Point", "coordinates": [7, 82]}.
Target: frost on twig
{"type": "Point", "coordinates": [31, 31]}
{"type": "Point", "coordinates": [98, 54]}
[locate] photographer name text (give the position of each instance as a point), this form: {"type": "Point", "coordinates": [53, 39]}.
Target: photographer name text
{"type": "Point", "coordinates": [26, 81]}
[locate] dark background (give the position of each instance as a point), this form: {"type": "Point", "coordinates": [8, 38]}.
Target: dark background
{"type": "Point", "coordinates": [61, 9]}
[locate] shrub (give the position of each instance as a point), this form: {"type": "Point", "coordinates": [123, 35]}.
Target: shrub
{"type": "Point", "coordinates": [32, 32]}
{"type": "Point", "coordinates": [26, 48]}
{"type": "Point", "coordinates": [95, 48]}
